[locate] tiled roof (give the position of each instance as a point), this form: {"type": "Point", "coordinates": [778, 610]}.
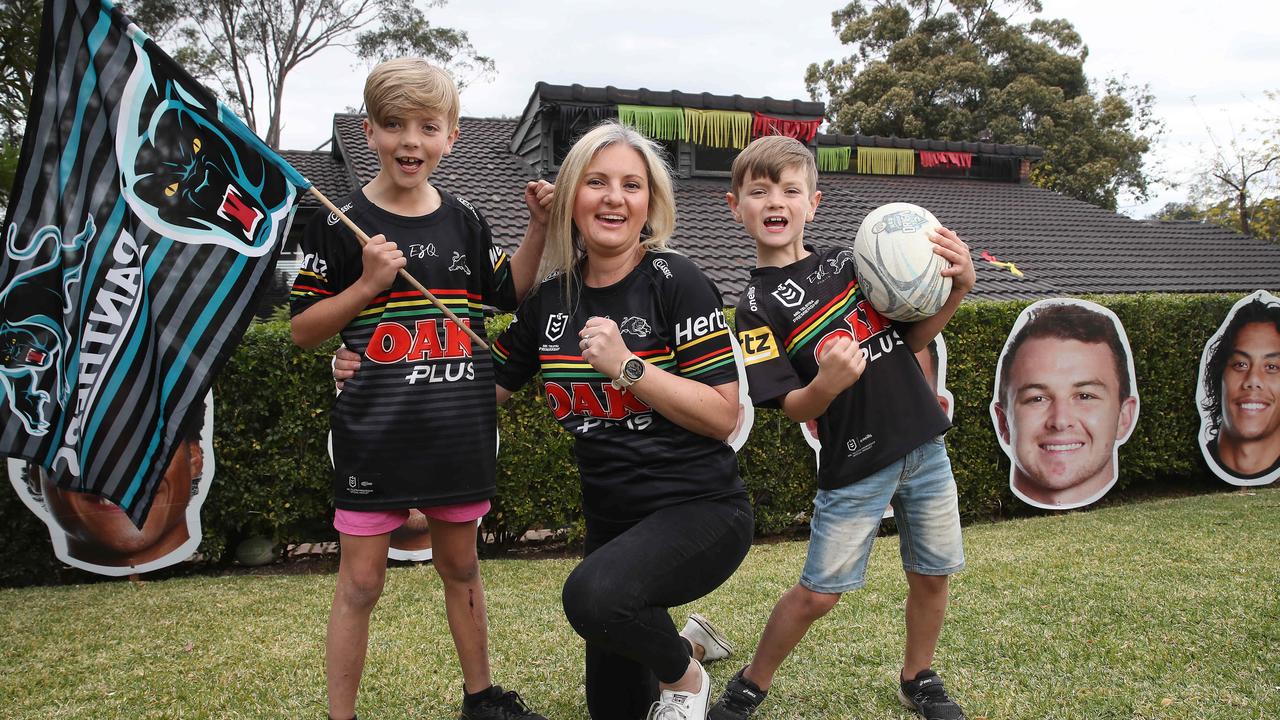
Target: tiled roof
{"type": "Point", "coordinates": [1062, 245]}
{"type": "Point", "coordinates": [328, 175]}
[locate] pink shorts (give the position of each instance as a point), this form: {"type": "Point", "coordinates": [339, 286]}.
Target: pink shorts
{"type": "Point", "coordinates": [380, 522]}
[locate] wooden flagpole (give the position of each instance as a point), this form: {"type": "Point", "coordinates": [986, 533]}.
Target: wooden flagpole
{"type": "Point", "coordinates": [364, 240]}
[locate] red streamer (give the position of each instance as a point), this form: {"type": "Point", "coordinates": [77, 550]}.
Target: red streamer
{"type": "Point", "coordinates": [934, 158]}
{"type": "Point", "coordinates": [802, 130]}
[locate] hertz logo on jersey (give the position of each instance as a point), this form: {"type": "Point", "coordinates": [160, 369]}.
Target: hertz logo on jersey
{"type": "Point", "coordinates": [758, 345]}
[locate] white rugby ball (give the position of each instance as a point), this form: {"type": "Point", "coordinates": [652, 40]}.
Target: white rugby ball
{"type": "Point", "coordinates": [897, 268]}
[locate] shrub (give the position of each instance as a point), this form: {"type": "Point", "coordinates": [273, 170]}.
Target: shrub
{"type": "Point", "coordinates": [273, 471]}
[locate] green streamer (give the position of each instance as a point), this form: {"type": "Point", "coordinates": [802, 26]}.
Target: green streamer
{"type": "Point", "coordinates": [659, 123]}
{"type": "Point", "coordinates": [834, 159]}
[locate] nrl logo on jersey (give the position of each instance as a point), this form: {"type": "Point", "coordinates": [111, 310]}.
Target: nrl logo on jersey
{"type": "Point", "coordinates": [789, 293]}
{"type": "Point", "coordinates": [632, 325]}
{"type": "Point", "coordinates": [556, 325]}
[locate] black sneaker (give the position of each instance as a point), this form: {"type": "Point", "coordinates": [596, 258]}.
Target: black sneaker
{"type": "Point", "coordinates": [740, 698]}
{"type": "Point", "coordinates": [926, 696]}
{"type": "Point", "coordinates": [497, 705]}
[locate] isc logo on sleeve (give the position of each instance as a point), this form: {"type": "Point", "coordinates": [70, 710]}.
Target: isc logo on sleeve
{"type": "Point", "coordinates": [758, 345]}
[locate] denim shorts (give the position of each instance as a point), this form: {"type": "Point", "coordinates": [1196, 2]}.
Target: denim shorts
{"type": "Point", "coordinates": [921, 489]}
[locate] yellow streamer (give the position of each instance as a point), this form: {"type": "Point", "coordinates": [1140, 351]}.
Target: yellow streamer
{"type": "Point", "coordinates": [717, 128]}
{"type": "Point", "coordinates": [886, 161]}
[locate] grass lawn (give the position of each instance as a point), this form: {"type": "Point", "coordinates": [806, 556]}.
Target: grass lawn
{"type": "Point", "coordinates": [1165, 609]}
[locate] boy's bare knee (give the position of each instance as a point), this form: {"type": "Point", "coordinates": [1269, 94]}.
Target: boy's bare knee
{"type": "Point", "coordinates": [927, 584]}
{"type": "Point", "coordinates": [457, 571]}
{"type": "Point", "coordinates": [813, 604]}
{"type": "Point", "coordinates": [361, 590]}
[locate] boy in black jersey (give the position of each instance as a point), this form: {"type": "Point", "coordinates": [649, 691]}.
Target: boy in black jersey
{"type": "Point", "coordinates": [815, 347]}
{"type": "Point", "coordinates": [417, 427]}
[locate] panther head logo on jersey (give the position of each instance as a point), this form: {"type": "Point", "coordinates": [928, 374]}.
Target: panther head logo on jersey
{"type": "Point", "coordinates": [841, 258]}
{"type": "Point", "coordinates": [633, 325]}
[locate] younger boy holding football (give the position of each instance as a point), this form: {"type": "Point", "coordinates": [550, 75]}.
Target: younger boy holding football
{"type": "Point", "coordinates": [815, 347]}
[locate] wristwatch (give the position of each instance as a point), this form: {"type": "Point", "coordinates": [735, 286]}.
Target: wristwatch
{"type": "Point", "coordinates": [632, 370]}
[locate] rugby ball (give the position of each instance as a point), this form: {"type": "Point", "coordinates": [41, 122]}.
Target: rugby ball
{"type": "Point", "coordinates": [897, 268]}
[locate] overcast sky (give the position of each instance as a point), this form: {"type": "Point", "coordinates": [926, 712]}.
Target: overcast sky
{"type": "Point", "coordinates": [1224, 54]}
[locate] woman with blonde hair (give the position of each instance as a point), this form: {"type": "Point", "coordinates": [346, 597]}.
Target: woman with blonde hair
{"type": "Point", "coordinates": [637, 364]}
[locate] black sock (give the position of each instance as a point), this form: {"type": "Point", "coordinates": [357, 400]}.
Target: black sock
{"type": "Point", "coordinates": [473, 698]}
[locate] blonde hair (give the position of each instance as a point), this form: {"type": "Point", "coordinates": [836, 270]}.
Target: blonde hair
{"type": "Point", "coordinates": [564, 249]}
{"type": "Point", "coordinates": [406, 86]}
{"type": "Point", "coordinates": [768, 156]}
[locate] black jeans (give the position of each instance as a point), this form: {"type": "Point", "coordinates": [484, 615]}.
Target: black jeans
{"type": "Point", "coordinates": [617, 598]}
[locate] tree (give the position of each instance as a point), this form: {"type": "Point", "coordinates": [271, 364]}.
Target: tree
{"type": "Point", "coordinates": [19, 37]}
{"type": "Point", "coordinates": [247, 48]}
{"type": "Point", "coordinates": [1264, 216]}
{"type": "Point", "coordinates": [1237, 185]}
{"type": "Point", "coordinates": [963, 70]}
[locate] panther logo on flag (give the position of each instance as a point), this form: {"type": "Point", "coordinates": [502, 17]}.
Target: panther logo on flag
{"type": "Point", "coordinates": [33, 345]}
{"type": "Point", "coordinates": [186, 176]}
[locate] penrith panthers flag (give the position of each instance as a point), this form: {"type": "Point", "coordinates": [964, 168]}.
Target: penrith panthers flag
{"type": "Point", "coordinates": [142, 224]}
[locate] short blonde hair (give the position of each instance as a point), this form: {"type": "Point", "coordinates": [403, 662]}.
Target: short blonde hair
{"type": "Point", "coordinates": [564, 249]}
{"type": "Point", "coordinates": [407, 86]}
{"type": "Point", "coordinates": [768, 156]}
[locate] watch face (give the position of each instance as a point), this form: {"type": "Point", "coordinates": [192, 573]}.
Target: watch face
{"type": "Point", "coordinates": [633, 369]}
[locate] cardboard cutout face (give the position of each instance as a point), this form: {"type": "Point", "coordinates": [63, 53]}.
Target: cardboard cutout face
{"type": "Point", "coordinates": [1064, 401]}
{"type": "Point", "coordinates": [746, 411]}
{"type": "Point", "coordinates": [935, 371]}
{"type": "Point", "coordinates": [1238, 393]}
{"type": "Point", "coordinates": [93, 534]}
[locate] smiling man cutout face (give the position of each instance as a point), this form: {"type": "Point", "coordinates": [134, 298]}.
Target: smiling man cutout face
{"type": "Point", "coordinates": [1064, 402]}
{"type": "Point", "coordinates": [1239, 394]}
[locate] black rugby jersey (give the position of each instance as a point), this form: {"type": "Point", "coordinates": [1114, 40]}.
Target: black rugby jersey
{"type": "Point", "coordinates": [632, 460]}
{"type": "Point", "coordinates": [784, 317]}
{"type": "Point", "coordinates": [416, 426]}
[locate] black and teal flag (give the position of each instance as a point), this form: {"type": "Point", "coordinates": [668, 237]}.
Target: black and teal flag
{"type": "Point", "coordinates": [143, 222]}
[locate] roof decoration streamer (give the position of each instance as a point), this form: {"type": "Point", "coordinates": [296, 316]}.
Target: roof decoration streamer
{"type": "Point", "coordinates": [886, 161]}
{"type": "Point", "coordinates": [834, 159]}
{"type": "Point", "coordinates": [718, 128]}
{"type": "Point", "coordinates": [802, 130]}
{"type": "Point", "coordinates": [1013, 269]}
{"type": "Point", "coordinates": [934, 158]}
{"type": "Point", "coordinates": [572, 120]}
{"type": "Point", "coordinates": [659, 123]}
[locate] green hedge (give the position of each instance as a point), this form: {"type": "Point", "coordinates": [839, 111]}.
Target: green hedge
{"type": "Point", "coordinates": [271, 405]}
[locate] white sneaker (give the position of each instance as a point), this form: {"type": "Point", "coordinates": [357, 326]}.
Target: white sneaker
{"type": "Point", "coordinates": [675, 705]}
{"type": "Point", "coordinates": [700, 630]}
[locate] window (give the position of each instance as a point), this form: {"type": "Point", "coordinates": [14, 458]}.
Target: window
{"type": "Point", "coordinates": [713, 161]}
